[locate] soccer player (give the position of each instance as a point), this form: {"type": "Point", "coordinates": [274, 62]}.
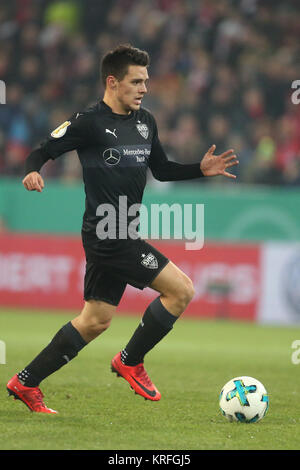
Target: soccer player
{"type": "Point", "coordinates": [116, 141]}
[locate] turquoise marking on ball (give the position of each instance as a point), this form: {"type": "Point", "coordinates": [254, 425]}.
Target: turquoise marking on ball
{"type": "Point", "coordinates": [265, 398]}
{"type": "Point", "coordinates": [240, 391]}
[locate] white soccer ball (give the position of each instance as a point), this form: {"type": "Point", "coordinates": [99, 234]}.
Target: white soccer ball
{"type": "Point", "coordinates": [244, 399]}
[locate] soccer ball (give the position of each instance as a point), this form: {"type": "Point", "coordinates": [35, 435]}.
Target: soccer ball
{"type": "Point", "coordinates": [244, 399]}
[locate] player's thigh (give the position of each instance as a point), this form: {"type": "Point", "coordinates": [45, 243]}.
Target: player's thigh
{"type": "Point", "coordinates": [173, 282]}
{"type": "Point", "coordinates": [101, 284]}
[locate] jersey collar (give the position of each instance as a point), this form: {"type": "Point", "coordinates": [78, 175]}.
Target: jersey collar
{"type": "Point", "coordinates": [107, 109]}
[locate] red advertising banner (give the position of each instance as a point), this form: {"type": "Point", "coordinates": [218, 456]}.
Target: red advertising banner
{"type": "Point", "coordinates": [47, 272]}
{"type": "Point", "coordinates": [41, 271]}
{"type": "Point", "coordinates": [226, 279]}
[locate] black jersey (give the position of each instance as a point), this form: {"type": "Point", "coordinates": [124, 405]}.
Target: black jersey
{"type": "Point", "coordinates": [115, 152]}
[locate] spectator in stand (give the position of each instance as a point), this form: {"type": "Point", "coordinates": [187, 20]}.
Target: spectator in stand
{"type": "Point", "coordinates": [225, 67]}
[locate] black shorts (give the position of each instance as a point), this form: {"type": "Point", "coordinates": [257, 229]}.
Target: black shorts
{"type": "Point", "coordinates": [111, 266]}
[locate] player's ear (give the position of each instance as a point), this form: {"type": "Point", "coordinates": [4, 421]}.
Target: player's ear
{"type": "Point", "coordinates": [111, 82]}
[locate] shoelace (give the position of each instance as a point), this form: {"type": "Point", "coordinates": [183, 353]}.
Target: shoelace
{"type": "Point", "coordinates": [143, 376]}
{"type": "Point", "coordinates": [36, 398]}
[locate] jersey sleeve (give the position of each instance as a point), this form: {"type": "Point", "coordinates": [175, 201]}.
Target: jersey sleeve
{"type": "Point", "coordinates": [166, 170]}
{"type": "Point", "coordinates": [73, 134]}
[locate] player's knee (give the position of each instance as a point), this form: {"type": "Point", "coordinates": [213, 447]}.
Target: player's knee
{"type": "Point", "coordinates": [103, 326]}
{"type": "Point", "coordinates": [189, 290]}
{"type": "Point", "coordinates": [185, 293]}
{"type": "Point", "coordinates": [97, 326]}
{"type": "Point", "coordinates": [96, 317]}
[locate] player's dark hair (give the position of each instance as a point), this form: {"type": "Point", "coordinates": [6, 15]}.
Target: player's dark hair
{"type": "Point", "coordinates": [117, 61]}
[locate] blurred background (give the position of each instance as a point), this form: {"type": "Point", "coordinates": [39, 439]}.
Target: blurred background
{"type": "Point", "coordinates": [221, 73]}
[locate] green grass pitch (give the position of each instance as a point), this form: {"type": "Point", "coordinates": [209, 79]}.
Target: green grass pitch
{"type": "Point", "coordinates": [98, 411]}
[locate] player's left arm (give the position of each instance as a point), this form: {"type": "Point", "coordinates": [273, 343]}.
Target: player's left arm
{"type": "Point", "coordinates": [166, 170]}
{"type": "Point", "coordinates": [213, 165]}
{"type": "Point", "coordinates": [210, 165]}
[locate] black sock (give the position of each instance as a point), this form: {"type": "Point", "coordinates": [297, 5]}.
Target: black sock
{"type": "Point", "coordinates": [155, 324]}
{"type": "Point", "coordinates": [64, 346]}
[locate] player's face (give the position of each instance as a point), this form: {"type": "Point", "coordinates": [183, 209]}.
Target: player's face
{"type": "Point", "coordinates": [132, 88]}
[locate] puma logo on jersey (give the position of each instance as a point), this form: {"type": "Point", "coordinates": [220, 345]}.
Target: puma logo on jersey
{"type": "Point", "coordinates": [108, 131]}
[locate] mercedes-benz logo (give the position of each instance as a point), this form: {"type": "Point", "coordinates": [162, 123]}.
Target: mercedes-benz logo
{"type": "Point", "coordinates": [111, 156]}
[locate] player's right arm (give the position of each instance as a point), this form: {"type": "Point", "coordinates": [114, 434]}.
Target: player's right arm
{"type": "Point", "coordinates": [33, 181]}
{"type": "Point", "coordinates": [71, 135]}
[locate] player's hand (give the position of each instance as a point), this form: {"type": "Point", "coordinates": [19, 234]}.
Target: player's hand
{"type": "Point", "coordinates": [33, 182]}
{"type": "Point", "coordinates": [213, 165]}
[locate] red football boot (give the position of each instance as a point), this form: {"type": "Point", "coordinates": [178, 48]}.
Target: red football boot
{"type": "Point", "coordinates": [137, 377]}
{"type": "Point", "coordinates": [30, 396]}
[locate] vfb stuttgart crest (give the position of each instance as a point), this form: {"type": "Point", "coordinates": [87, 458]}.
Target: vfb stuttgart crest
{"type": "Point", "coordinates": [149, 261]}
{"type": "Point", "coordinates": [143, 130]}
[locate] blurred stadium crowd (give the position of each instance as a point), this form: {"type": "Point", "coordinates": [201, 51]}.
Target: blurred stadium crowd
{"type": "Point", "coordinates": [221, 72]}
